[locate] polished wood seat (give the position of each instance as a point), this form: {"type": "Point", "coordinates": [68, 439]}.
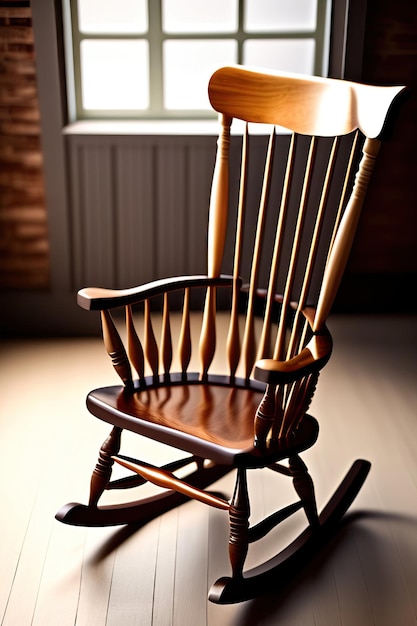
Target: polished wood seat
{"type": "Point", "coordinates": [202, 415]}
{"type": "Point", "coordinates": [283, 213]}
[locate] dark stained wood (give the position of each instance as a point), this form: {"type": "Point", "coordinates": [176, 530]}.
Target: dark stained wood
{"type": "Point", "coordinates": [266, 577]}
{"type": "Point", "coordinates": [102, 471]}
{"type": "Point", "coordinates": [239, 513]}
{"type": "Point", "coordinates": [211, 420]}
{"type": "Point", "coordinates": [305, 488]}
{"type": "Point", "coordinates": [266, 414]}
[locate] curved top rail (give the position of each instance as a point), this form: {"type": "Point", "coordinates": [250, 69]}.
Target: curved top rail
{"type": "Point", "coordinates": [308, 105]}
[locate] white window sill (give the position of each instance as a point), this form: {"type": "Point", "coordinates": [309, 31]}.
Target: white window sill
{"type": "Point", "coordinates": [160, 127]}
{"type": "Point", "coordinates": [134, 127]}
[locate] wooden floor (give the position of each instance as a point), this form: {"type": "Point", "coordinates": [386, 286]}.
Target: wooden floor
{"type": "Point", "coordinates": [51, 574]}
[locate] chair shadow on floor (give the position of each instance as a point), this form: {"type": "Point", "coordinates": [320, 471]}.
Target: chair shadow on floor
{"type": "Point", "coordinates": [356, 567]}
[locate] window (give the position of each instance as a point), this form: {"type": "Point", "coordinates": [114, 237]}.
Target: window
{"type": "Point", "coordinates": [151, 59]}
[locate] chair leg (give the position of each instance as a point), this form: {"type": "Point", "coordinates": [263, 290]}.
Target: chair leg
{"type": "Point", "coordinates": [288, 561]}
{"type": "Point", "coordinates": [239, 523]}
{"type": "Point", "coordinates": [304, 487]}
{"type": "Point", "coordinates": [103, 469]}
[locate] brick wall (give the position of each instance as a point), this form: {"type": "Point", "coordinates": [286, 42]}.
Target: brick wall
{"type": "Point", "coordinates": [24, 258]}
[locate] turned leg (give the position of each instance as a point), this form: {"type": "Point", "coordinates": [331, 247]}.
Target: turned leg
{"type": "Point", "coordinates": [304, 487]}
{"type": "Point", "coordinates": [239, 523]}
{"type": "Point", "coordinates": [102, 471]}
{"type": "Point", "coordinates": [265, 416]}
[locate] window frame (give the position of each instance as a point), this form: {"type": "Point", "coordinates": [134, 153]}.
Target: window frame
{"type": "Point", "coordinates": [155, 37]}
{"type": "Point", "coordinates": [56, 311]}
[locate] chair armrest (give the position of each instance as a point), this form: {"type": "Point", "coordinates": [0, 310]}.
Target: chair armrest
{"type": "Point", "coordinates": [97, 299]}
{"type": "Point", "coordinates": [311, 359]}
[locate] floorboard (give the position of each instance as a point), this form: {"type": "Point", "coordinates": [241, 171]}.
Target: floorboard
{"type": "Point", "coordinates": [159, 575]}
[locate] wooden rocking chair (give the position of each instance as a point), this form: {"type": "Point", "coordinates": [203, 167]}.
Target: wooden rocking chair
{"type": "Point", "coordinates": [292, 233]}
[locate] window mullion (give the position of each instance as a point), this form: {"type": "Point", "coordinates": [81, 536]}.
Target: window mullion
{"type": "Point", "coordinates": [76, 52]}
{"type": "Point", "coordinates": [156, 72]}
{"type": "Point", "coordinates": [240, 31]}
{"type": "Point", "coordinates": [321, 52]}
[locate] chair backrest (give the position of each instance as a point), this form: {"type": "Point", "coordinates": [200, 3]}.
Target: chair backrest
{"type": "Point", "coordinates": [304, 209]}
{"type": "Point", "coordinates": [282, 219]}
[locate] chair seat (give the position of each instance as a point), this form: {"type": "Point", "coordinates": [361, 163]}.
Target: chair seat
{"type": "Point", "coordinates": [213, 419]}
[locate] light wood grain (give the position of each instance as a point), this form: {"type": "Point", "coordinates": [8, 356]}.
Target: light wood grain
{"type": "Point", "coordinates": [326, 108]}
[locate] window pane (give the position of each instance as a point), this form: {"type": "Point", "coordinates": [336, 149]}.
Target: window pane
{"type": "Point", "coordinates": [188, 66]}
{"type": "Point", "coordinates": [110, 16]}
{"type": "Point", "coordinates": [199, 16]}
{"type": "Point", "coordinates": [114, 74]}
{"type": "Point", "coordinates": [280, 15]}
{"type": "Point", "coordinates": [288, 55]}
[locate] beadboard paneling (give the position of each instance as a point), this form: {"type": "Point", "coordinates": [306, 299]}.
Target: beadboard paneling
{"type": "Point", "coordinates": [138, 207]}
